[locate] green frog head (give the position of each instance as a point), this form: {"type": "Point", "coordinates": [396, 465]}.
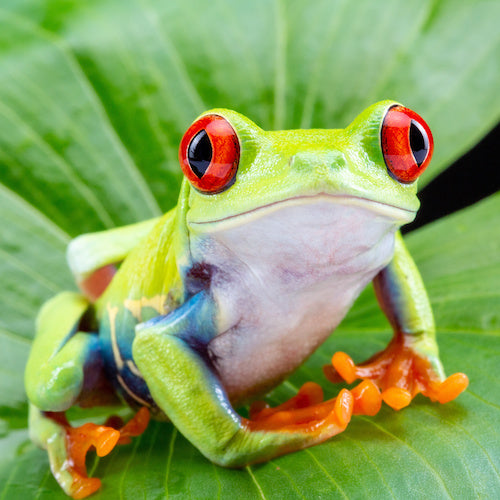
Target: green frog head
{"type": "Point", "coordinates": [235, 168]}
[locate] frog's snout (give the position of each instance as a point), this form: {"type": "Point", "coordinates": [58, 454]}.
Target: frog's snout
{"type": "Point", "coordinates": [324, 162]}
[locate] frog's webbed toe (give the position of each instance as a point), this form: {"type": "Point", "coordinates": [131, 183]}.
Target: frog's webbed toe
{"type": "Point", "coordinates": [401, 372]}
{"type": "Point", "coordinates": [367, 398]}
{"type": "Point", "coordinates": [308, 405]}
{"type": "Point", "coordinates": [308, 395]}
{"type": "Point", "coordinates": [305, 412]}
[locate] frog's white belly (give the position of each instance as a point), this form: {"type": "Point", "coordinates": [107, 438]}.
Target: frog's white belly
{"type": "Point", "coordinates": [285, 280]}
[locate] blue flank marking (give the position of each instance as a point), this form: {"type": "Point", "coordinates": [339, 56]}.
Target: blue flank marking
{"type": "Point", "coordinates": [125, 332]}
{"type": "Point", "coordinates": [193, 322]}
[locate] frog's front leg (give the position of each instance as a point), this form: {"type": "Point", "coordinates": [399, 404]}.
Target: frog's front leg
{"type": "Point", "coordinates": [92, 257]}
{"type": "Point", "coordinates": [65, 368]}
{"type": "Point", "coordinates": [410, 364]}
{"type": "Point", "coordinates": [171, 353]}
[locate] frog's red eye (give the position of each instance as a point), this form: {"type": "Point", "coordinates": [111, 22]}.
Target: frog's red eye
{"type": "Point", "coordinates": [406, 143]}
{"type": "Point", "coordinates": [209, 154]}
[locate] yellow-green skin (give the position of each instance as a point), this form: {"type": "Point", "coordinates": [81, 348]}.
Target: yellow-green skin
{"type": "Point", "coordinates": [172, 329]}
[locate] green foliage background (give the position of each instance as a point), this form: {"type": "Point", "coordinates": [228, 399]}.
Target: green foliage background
{"type": "Point", "coordinates": [94, 97]}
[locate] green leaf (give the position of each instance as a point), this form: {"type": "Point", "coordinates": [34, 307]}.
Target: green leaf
{"type": "Point", "coordinates": [94, 97]}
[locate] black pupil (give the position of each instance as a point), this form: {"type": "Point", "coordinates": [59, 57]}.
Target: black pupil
{"type": "Point", "coordinates": [200, 153]}
{"type": "Point", "coordinates": [418, 142]}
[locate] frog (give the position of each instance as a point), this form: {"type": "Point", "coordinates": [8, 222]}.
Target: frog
{"type": "Point", "coordinates": [189, 316]}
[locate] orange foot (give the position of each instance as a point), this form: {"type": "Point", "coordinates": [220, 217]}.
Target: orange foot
{"type": "Point", "coordinates": [400, 372]}
{"type": "Point", "coordinates": [307, 411]}
{"type": "Point", "coordinates": [103, 438]}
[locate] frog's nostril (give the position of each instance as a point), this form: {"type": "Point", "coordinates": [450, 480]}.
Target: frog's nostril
{"type": "Point", "coordinates": [338, 161]}
{"type": "Point", "coordinates": [321, 162]}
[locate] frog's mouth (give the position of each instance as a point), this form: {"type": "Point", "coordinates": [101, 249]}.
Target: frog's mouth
{"type": "Point", "coordinates": [397, 215]}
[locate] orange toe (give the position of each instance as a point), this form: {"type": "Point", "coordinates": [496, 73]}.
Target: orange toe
{"type": "Point", "coordinates": [344, 404]}
{"type": "Point", "coordinates": [82, 487]}
{"type": "Point", "coordinates": [135, 426]}
{"type": "Point", "coordinates": [367, 398]}
{"type": "Point", "coordinates": [396, 397]}
{"type": "Point", "coordinates": [296, 416]}
{"type": "Point", "coordinates": [256, 409]}
{"type": "Point", "coordinates": [335, 413]}
{"type": "Point", "coordinates": [453, 386]}
{"type": "Point", "coordinates": [105, 440]}
{"type": "Point", "coordinates": [80, 439]}
{"type": "Point", "coordinates": [277, 420]}
{"type": "Point", "coordinates": [308, 395]}
{"type": "Point", "coordinates": [345, 366]}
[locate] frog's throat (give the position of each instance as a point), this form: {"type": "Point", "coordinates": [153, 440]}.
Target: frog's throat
{"type": "Point", "coordinates": [397, 214]}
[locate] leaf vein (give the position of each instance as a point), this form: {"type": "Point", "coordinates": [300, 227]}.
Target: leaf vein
{"type": "Point", "coordinates": [191, 90]}
{"type": "Point", "coordinates": [411, 448]}
{"type": "Point", "coordinates": [13, 336]}
{"type": "Point", "coordinates": [9, 479]}
{"type": "Point", "coordinates": [280, 61]}
{"type": "Point", "coordinates": [169, 458]}
{"type": "Point", "coordinates": [327, 474]}
{"type": "Point", "coordinates": [489, 403]}
{"type": "Point", "coordinates": [123, 474]}
{"type": "Point", "coordinates": [92, 94]}
{"type": "Point", "coordinates": [316, 74]}
{"type": "Point", "coordinates": [254, 479]}
{"type": "Point", "coordinates": [472, 438]}
{"type": "Point", "coordinates": [48, 223]}
{"type": "Point", "coordinates": [42, 482]}
{"type": "Point", "coordinates": [290, 480]}
{"type": "Point", "coordinates": [478, 59]}
{"type": "Point", "coordinates": [372, 462]}
{"type": "Point", "coordinates": [217, 478]}
{"type": "Point", "coordinates": [63, 166]}
{"type": "Point", "coordinates": [29, 272]}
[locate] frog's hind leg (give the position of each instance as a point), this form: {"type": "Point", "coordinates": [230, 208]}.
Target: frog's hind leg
{"type": "Point", "coordinates": [171, 352]}
{"type": "Point", "coordinates": [65, 368]}
{"type": "Point", "coordinates": [410, 364]}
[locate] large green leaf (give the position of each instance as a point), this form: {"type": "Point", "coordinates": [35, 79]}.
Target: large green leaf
{"type": "Point", "coordinates": [94, 97]}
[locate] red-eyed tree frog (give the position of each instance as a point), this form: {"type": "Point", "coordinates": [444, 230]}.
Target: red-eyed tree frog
{"type": "Point", "coordinates": [195, 313]}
